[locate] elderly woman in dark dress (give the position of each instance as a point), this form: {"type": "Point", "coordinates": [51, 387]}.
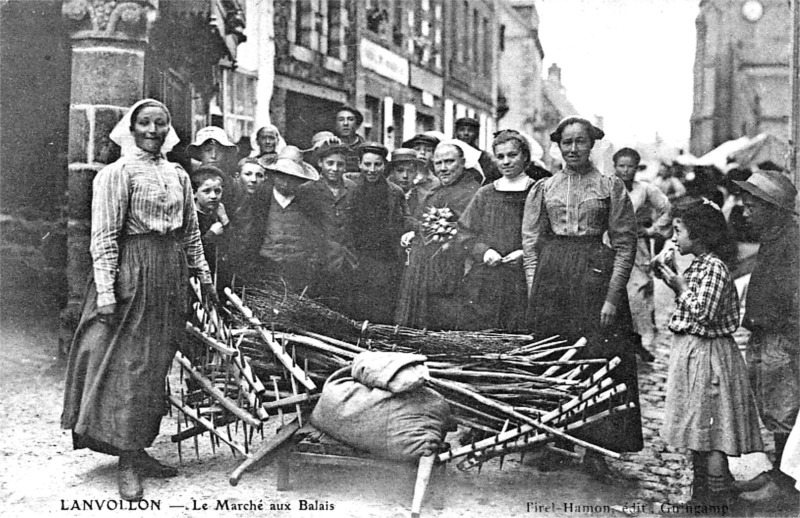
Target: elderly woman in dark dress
{"type": "Point", "coordinates": [494, 292]}
{"type": "Point", "coordinates": [144, 234]}
{"type": "Point", "coordinates": [577, 284]}
{"type": "Point", "coordinates": [435, 270]}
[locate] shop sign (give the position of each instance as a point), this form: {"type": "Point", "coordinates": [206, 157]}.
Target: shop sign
{"type": "Point", "coordinates": [384, 61]}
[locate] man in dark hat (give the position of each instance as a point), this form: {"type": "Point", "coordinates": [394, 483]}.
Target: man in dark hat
{"type": "Point", "coordinates": [771, 314]}
{"type": "Point", "coordinates": [380, 217]}
{"type": "Point", "coordinates": [410, 173]}
{"type": "Point", "coordinates": [424, 145]}
{"type": "Point", "coordinates": [467, 130]}
{"type": "Point", "coordinates": [346, 124]}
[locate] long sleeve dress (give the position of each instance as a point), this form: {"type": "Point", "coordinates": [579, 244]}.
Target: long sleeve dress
{"type": "Point", "coordinates": [144, 235]}
{"type": "Point", "coordinates": [431, 279]}
{"type": "Point", "coordinates": [571, 273]}
{"type": "Point", "coordinates": [493, 297]}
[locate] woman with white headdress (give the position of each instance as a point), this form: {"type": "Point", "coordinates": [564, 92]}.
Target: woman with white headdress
{"type": "Point", "coordinates": [267, 142]}
{"type": "Point", "coordinates": [144, 235]}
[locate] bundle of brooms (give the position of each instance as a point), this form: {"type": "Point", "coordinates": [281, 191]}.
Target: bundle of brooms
{"type": "Point", "coordinates": [511, 392]}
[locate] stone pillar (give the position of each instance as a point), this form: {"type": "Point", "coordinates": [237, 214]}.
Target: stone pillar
{"type": "Point", "coordinates": [109, 39]}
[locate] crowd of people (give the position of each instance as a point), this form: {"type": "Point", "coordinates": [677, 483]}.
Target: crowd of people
{"type": "Point", "coordinates": [440, 235]}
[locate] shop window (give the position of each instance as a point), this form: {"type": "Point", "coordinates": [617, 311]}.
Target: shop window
{"type": "Point", "coordinates": [238, 109]}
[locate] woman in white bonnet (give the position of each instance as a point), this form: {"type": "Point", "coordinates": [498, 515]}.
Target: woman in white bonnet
{"type": "Point", "coordinates": [144, 235]}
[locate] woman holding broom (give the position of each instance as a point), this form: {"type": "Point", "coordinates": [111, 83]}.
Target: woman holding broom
{"type": "Point", "coordinates": [144, 234]}
{"type": "Point", "coordinates": [577, 285]}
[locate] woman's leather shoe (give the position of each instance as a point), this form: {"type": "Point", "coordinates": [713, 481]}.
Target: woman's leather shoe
{"type": "Point", "coordinates": [130, 483]}
{"type": "Point", "coordinates": [148, 467]}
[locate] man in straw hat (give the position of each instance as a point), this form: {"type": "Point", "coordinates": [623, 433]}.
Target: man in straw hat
{"type": "Point", "coordinates": [290, 247]}
{"type": "Point", "coordinates": [773, 350]}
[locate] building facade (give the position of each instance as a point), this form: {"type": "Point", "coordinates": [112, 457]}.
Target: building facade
{"type": "Point", "coordinates": [71, 69]}
{"type": "Point", "coordinates": [407, 65]}
{"type": "Point", "coordinates": [741, 71]}
{"type": "Point", "coordinates": [519, 94]}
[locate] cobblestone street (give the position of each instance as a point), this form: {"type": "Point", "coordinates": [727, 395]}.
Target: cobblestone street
{"type": "Point", "coordinates": [42, 473]}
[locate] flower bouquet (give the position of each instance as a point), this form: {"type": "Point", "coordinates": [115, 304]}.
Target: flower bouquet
{"type": "Point", "coordinates": [438, 225]}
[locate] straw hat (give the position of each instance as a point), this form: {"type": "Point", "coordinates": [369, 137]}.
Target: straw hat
{"type": "Point", "coordinates": [292, 168]}
{"type": "Point", "coordinates": [211, 133]}
{"type": "Point", "coordinates": [773, 187]}
{"type": "Point", "coordinates": [295, 155]}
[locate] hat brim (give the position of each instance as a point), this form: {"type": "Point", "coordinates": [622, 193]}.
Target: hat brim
{"type": "Point", "coordinates": [418, 161]}
{"type": "Point", "coordinates": [763, 195]}
{"type": "Point", "coordinates": [306, 172]}
{"type": "Point", "coordinates": [430, 141]}
{"type": "Point", "coordinates": [195, 146]}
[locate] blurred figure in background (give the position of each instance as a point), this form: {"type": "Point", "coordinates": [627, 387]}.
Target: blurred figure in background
{"type": "Point", "coordinates": [346, 124]}
{"type": "Point", "coordinates": [652, 209]}
{"type": "Point", "coordinates": [467, 130]}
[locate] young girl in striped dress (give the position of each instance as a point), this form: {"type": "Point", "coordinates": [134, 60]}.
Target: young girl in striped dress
{"type": "Point", "coordinates": [710, 409]}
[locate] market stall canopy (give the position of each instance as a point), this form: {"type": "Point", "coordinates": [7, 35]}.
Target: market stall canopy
{"type": "Point", "coordinates": [746, 152]}
{"type": "Point", "coordinates": [763, 148]}
{"type": "Point", "coordinates": [719, 156]}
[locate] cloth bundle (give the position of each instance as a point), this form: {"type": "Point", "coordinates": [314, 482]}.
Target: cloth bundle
{"type": "Point", "coordinates": [380, 405]}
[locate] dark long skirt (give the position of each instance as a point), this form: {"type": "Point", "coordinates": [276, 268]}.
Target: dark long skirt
{"type": "Point", "coordinates": [114, 395]}
{"type": "Point", "coordinates": [569, 288]}
{"type": "Point", "coordinates": [375, 288]}
{"type": "Point", "coordinates": [494, 298]}
{"type": "Point", "coordinates": [428, 289]}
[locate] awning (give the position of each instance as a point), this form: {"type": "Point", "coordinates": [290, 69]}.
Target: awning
{"type": "Point", "coordinates": [719, 156]}
{"type": "Point", "coordinates": [763, 148]}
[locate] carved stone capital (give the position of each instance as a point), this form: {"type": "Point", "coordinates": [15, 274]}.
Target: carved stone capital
{"type": "Point", "coordinates": [122, 20]}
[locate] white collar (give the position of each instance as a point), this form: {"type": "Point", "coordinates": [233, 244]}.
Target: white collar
{"type": "Point", "coordinates": [517, 184]}
{"type": "Point", "coordinates": [282, 200]}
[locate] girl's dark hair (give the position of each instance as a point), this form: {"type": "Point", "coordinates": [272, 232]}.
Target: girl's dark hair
{"type": "Point", "coordinates": [629, 152]}
{"type": "Point", "coordinates": [593, 131]}
{"type": "Point", "coordinates": [509, 135]}
{"type": "Point", "coordinates": [706, 223]}
{"type": "Point", "coordinates": [204, 173]}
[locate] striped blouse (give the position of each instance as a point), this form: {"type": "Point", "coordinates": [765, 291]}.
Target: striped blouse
{"type": "Point", "coordinates": [139, 194]}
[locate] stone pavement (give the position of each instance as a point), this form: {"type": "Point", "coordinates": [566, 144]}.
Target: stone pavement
{"type": "Point", "coordinates": [664, 473]}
